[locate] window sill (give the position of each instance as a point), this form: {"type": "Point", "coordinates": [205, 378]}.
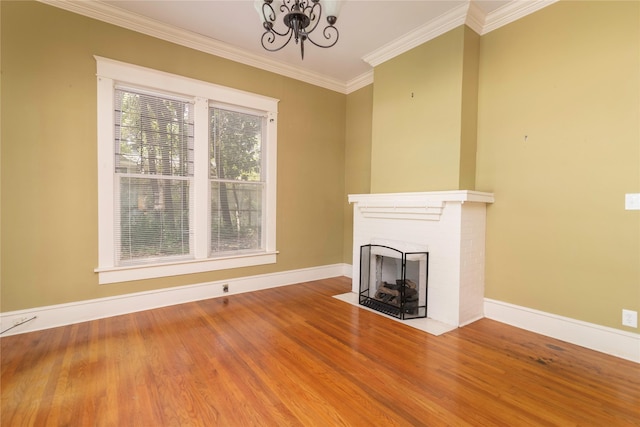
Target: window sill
{"type": "Point", "coordinates": [108, 275]}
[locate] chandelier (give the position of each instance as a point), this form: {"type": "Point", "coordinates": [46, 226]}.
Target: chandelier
{"type": "Point", "coordinates": [300, 18]}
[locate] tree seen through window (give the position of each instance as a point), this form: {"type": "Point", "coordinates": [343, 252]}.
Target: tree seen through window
{"type": "Point", "coordinates": [235, 171]}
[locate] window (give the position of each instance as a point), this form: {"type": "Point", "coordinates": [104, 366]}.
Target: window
{"type": "Point", "coordinates": [186, 175]}
{"type": "Point", "coordinates": [154, 175]}
{"type": "Point", "coordinates": [237, 184]}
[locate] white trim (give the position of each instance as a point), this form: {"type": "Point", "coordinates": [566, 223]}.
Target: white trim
{"type": "Point", "coordinates": [108, 275]}
{"type": "Point", "coordinates": [106, 216]}
{"type": "Point", "coordinates": [82, 311]}
{"type": "Point", "coordinates": [422, 199]}
{"type": "Point", "coordinates": [511, 12]}
{"type": "Point", "coordinates": [359, 82]}
{"type": "Point", "coordinates": [201, 186]}
{"type": "Point", "coordinates": [615, 342]}
{"type": "Point", "coordinates": [123, 72]}
{"type": "Point", "coordinates": [271, 157]}
{"type": "Point", "coordinates": [475, 17]}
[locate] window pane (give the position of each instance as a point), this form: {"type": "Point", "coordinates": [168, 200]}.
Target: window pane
{"type": "Point", "coordinates": [235, 145]}
{"type": "Point", "coordinates": [154, 218]}
{"type": "Point", "coordinates": [154, 135]}
{"type": "Point", "coordinates": [235, 160]}
{"type": "Point", "coordinates": [236, 216]}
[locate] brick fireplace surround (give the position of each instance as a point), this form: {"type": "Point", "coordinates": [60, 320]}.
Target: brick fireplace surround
{"type": "Point", "coordinates": [450, 225]}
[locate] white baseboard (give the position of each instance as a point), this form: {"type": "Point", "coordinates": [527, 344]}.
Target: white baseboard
{"type": "Point", "coordinates": [66, 314]}
{"type": "Point", "coordinates": [615, 342]}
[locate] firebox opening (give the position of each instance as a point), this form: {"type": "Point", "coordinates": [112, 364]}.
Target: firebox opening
{"type": "Point", "coordinates": [394, 282]}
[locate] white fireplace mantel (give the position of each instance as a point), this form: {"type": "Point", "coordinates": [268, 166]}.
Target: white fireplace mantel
{"type": "Point", "coordinates": [451, 224]}
{"type": "Point", "coordinates": [419, 206]}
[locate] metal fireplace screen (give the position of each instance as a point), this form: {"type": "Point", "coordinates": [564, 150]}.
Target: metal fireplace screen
{"type": "Point", "coordinates": [394, 282]}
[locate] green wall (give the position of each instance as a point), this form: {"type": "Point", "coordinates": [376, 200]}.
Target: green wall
{"type": "Point", "coordinates": [469, 110]}
{"type": "Point", "coordinates": [420, 98]}
{"type": "Point", "coordinates": [49, 174]}
{"type": "Point", "coordinates": [559, 145]}
{"type": "Point", "coordinates": [357, 157]}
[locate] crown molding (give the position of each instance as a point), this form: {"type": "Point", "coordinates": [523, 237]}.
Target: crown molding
{"type": "Point", "coordinates": [359, 82]}
{"type": "Point", "coordinates": [512, 12]}
{"type": "Point", "coordinates": [420, 35]}
{"type": "Point", "coordinates": [468, 13]}
{"type": "Point", "coordinates": [113, 15]}
{"type": "Point", "coordinates": [475, 17]}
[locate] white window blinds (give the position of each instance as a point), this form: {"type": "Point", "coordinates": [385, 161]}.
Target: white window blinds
{"type": "Point", "coordinates": [154, 174]}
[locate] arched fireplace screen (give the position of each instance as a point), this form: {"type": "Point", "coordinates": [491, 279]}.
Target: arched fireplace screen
{"type": "Point", "coordinates": [394, 282]}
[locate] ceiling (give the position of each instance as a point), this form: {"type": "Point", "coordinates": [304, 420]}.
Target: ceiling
{"type": "Point", "coordinates": [370, 31]}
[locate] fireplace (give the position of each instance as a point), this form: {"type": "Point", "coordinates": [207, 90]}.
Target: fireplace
{"type": "Point", "coordinates": [449, 226]}
{"type": "Point", "coordinates": [394, 282]}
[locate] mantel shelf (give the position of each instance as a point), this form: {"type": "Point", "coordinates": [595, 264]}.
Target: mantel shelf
{"type": "Point", "coordinates": [417, 206]}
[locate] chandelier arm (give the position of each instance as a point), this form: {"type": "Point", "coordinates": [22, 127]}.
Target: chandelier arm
{"type": "Point", "coordinates": [274, 31]}
{"type": "Point", "coordinates": [329, 32]}
{"type": "Point", "coordinates": [269, 38]}
{"type": "Point", "coordinates": [269, 18]}
{"type": "Point", "coordinates": [268, 14]}
{"type": "Point", "coordinates": [284, 8]}
{"type": "Point", "coordinates": [314, 12]}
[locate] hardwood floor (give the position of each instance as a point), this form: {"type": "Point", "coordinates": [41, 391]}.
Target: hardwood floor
{"type": "Point", "coordinates": [296, 356]}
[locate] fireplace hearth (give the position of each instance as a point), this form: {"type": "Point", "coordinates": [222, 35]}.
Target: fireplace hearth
{"type": "Point", "coordinates": [394, 282]}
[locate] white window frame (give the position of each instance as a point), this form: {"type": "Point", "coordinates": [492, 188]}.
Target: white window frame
{"type": "Point", "coordinates": [111, 73]}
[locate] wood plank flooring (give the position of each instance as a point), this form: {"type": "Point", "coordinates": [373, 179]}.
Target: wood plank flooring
{"type": "Point", "coordinates": [295, 356]}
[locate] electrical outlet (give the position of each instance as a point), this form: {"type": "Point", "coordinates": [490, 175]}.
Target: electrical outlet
{"type": "Point", "coordinates": [225, 288]}
{"type": "Point", "coordinates": [632, 201]}
{"type": "Point", "coordinates": [630, 318]}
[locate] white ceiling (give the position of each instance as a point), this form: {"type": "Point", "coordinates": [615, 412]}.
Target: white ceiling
{"type": "Point", "coordinates": [369, 30]}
